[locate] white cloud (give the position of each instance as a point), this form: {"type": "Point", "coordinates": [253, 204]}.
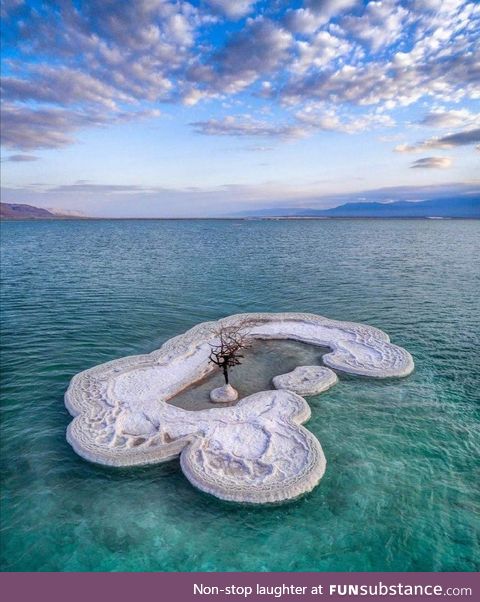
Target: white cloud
{"type": "Point", "coordinates": [109, 58]}
{"type": "Point", "coordinates": [432, 163]}
{"type": "Point", "coordinates": [321, 118]}
{"type": "Point", "coordinates": [381, 23]}
{"type": "Point", "coordinates": [261, 48]}
{"type": "Point", "coordinates": [329, 8]}
{"type": "Point", "coordinates": [232, 9]}
{"type": "Point", "coordinates": [231, 126]}
{"type": "Point", "coordinates": [318, 52]}
{"type": "Point", "coordinates": [306, 122]}
{"type": "Point", "coordinates": [303, 21]}
{"type": "Point", "coordinates": [442, 118]}
{"type": "Point", "coordinates": [62, 86]}
{"type": "Point", "coordinates": [28, 128]}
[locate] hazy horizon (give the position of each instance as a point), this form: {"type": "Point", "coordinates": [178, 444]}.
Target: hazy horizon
{"type": "Point", "coordinates": [375, 196]}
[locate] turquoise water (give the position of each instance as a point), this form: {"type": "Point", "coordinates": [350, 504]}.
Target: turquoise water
{"type": "Point", "coordinates": [401, 487]}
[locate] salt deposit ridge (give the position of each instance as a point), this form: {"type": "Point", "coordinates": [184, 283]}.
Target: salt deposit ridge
{"type": "Point", "coordinates": [256, 451]}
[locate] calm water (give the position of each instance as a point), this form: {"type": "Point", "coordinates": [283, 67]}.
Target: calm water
{"type": "Point", "coordinates": [261, 361]}
{"type": "Point", "coordinates": [401, 487]}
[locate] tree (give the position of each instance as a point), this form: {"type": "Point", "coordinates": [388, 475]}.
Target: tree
{"type": "Point", "coordinates": [227, 353]}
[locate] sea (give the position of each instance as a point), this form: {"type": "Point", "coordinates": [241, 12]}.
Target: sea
{"type": "Point", "coordinates": [401, 489]}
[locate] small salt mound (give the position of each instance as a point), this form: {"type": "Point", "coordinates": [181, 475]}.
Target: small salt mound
{"type": "Point", "coordinates": [306, 380]}
{"type": "Point", "coordinates": [224, 394]}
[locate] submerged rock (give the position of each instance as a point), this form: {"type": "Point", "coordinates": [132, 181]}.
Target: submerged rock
{"type": "Point", "coordinates": [306, 380]}
{"type": "Point", "coordinates": [224, 394]}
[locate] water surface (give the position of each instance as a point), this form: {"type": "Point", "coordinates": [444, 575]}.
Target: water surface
{"type": "Point", "coordinates": [262, 360]}
{"type": "Point", "coordinates": [401, 487]}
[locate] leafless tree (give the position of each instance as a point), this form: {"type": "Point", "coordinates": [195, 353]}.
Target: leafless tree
{"type": "Point", "coordinates": [228, 352]}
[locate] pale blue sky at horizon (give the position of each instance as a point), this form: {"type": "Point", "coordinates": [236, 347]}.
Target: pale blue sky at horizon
{"type": "Point", "coordinates": [159, 109]}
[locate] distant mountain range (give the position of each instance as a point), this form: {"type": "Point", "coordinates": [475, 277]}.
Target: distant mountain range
{"type": "Point", "coordinates": [21, 211]}
{"type": "Point", "coordinates": [465, 206]}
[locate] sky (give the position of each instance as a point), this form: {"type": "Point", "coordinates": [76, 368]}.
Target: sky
{"type": "Point", "coordinates": [157, 108]}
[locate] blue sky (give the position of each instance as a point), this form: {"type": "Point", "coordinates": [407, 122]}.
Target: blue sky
{"type": "Point", "coordinates": [155, 108]}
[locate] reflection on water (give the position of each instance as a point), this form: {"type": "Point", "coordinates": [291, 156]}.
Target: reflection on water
{"type": "Point", "coordinates": [262, 361]}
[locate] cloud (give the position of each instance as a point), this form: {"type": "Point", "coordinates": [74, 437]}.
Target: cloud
{"type": "Point", "coordinates": [431, 163]}
{"type": "Point", "coordinates": [411, 55]}
{"type": "Point", "coordinates": [318, 52]}
{"type": "Point", "coordinates": [302, 21]}
{"type": "Point", "coordinates": [381, 24]}
{"type": "Point", "coordinates": [259, 148]}
{"type": "Point", "coordinates": [258, 50]}
{"type": "Point", "coordinates": [387, 84]}
{"type": "Point", "coordinates": [461, 138]}
{"type": "Point", "coordinates": [329, 8]}
{"type": "Point", "coordinates": [102, 52]}
{"type": "Point", "coordinates": [21, 158]}
{"type": "Point", "coordinates": [9, 6]}
{"type": "Point", "coordinates": [316, 13]}
{"type": "Point", "coordinates": [63, 86]}
{"type": "Point", "coordinates": [465, 138]}
{"type": "Point", "coordinates": [89, 187]}
{"type": "Point", "coordinates": [232, 9]}
{"type": "Point", "coordinates": [452, 118]}
{"type": "Point", "coordinates": [27, 128]}
{"type": "Point", "coordinates": [230, 126]}
{"type": "Point", "coordinates": [307, 122]}
{"type": "Point", "coordinates": [81, 64]}
{"type": "Point", "coordinates": [319, 118]}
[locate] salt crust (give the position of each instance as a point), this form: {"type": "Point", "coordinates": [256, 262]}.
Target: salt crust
{"type": "Point", "coordinates": [256, 451]}
{"type": "Point", "coordinates": [223, 394]}
{"type": "Point", "coordinates": [306, 380]}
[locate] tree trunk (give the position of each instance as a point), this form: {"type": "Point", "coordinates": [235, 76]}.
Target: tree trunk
{"type": "Point", "coordinates": [225, 373]}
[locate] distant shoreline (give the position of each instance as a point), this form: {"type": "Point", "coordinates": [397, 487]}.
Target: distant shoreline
{"type": "Point", "coordinates": [444, 208]}
{"type": "Point", "coordinates": [235, 219]}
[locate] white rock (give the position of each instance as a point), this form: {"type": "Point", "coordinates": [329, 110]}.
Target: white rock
{"type": "Point", "coordinates": [255, 451]}
{"type": "Point", "coordinates": [224, 394]}
{"type": "Point", "coordinates": [306, 380]}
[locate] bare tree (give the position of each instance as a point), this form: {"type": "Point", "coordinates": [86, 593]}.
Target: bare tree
{"type": "Point", "coordinates": [227, 353]}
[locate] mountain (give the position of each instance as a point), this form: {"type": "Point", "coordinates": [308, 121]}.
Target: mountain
{"type": "Point", "coordinates": [21, 211]}
{"type": "Point", "coordinates": [466, 207]}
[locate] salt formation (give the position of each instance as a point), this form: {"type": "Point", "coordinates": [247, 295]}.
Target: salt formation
{"type": "Point", "coordinates": [223, 394]}
{"type": "Point", "coordinates": [306, 380]}
{"type": "Point", "coordinates": [256, 451]}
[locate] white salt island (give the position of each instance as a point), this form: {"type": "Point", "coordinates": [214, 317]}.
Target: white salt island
{"type": "Point", "coordinates": [256, 451]}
